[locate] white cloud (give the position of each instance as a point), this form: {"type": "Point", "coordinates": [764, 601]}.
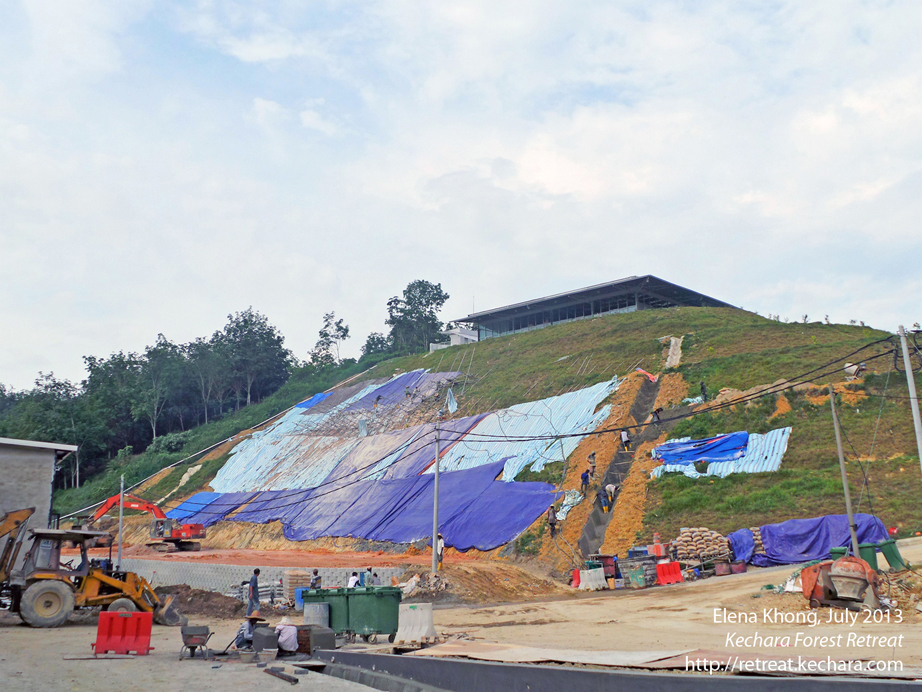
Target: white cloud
{"type": "Point", "coordinates": [152, 163]}
{"type": "Point", "coordinates": [312, 120]}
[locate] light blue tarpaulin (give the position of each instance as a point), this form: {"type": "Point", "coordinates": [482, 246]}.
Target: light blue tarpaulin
{"type": "Point", "coordinates": [488, 442]}
{"type": "Point", "coordinates": [763, 454]}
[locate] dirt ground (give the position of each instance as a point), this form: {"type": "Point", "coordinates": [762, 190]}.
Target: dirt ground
{"type": "Point", "coordinates": [680, 616]}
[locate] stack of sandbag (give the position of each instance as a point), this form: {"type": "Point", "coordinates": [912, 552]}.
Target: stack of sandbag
{"type": "Point", "coordinates": [757, 539]}
{"type": "Point", "coordinates": [691, 544]}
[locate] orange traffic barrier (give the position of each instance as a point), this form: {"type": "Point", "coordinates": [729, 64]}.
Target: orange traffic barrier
{"type": "Point", "coordinates": [122, 633]}
{"type": "Point", "coordinates": [668, 573]}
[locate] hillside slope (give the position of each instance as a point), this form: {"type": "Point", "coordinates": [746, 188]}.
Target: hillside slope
{"type": "Point", "coordinates": [723, 348]}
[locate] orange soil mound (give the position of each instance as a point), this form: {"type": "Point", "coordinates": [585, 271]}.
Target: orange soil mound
{"type": "Point", "coordinates": [672, 389]}
{"type": "Point", "coordinates": [782, 406]}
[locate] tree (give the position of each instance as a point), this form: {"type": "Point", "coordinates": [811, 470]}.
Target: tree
{"type": "Point", "coordinates": [376, 343]}
{"type": "Point", "coordinates": [413, 319]}
{"type": "Point", "coordinates": [208, 364]}
{"type": "Point", "coordinates": [332, 334]}
{"type": "Point", "coordinates": [259, 360]}
{"type": "Point", "coordinates": [159, 373]}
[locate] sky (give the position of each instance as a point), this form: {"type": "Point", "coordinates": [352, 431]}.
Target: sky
{"type": "Point", "coordinates": [164, 164]}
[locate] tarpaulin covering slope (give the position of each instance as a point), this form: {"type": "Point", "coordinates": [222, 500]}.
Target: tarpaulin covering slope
{"type": "Point", "coordinates": [763, 453]}
{"type": "Point", "coordinates": [192, 505]}
{"type": "Point", "coordinates": [572, 412]}
{"type": "Point", "coordinates": [302, 448]}
{"type": "Point", "coordinates": [216, 508]}
{"type": "Point", "coordinates": [719, 448]}
{"type": "Point", "coordinates": [803, 540]}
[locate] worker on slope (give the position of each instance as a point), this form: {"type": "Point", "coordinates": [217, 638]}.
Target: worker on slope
{"type": "Point", "coordinates": [552, 520]}
{"type": "Point", "coordinates": [591, 461]}
{"type": "Point", "coordinates": [625, 441]}
{"type": "Point", "coordinates": [253, 593]}
{"type": "Point", "coordinates": [288, 637]}
{"type": "Point", "coordinates": [611, 490]}
{"type": "Point", "coordinates": [584, 482]}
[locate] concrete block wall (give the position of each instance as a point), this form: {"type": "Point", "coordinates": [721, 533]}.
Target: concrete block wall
{"type": "Point", "coordinates": [223, 578]}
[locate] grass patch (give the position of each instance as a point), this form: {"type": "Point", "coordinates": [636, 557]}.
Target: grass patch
{"type": "Point", "coordinates": [551, 473]}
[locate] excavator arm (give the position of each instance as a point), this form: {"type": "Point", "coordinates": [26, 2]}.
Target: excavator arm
{"type": "Point", "coordinates": [12, 525]}
{"type": "Point", "coordinates": [131, 502]}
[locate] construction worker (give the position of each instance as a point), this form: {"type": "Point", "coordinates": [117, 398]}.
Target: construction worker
{"type": "Point", "coordinates": [704, 392]}
{"type": "Point", "coordinates": [353, 581]}
{"type": "Point", "coordinates": [625, 441]}
{"type": "Point", "coordinates": [591, 460]}
{"type": "Point", "coordinates": [552, 520]}
{"type": "Point", "coordinates": [603, 499]}
{"type": "Point", "coordinates": [253, 593]}
{"type": "Point", "coordinates": [288, 638]}
{"type": "Point", "coordinates": [244, 639]}
{"type": "Point", "coordinates": [655, 415]}
{"type": "Point", "coordinates": [611, 490]}
{"type": "Point", "coordinates": [440, 549]}
{"type": "Point", "coordinates": [584, 482]}
{"type": "Point", "coordinates": [316, 580]}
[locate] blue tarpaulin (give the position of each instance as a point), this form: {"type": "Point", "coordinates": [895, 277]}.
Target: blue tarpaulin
{"type": "Point", "coordinates": [743, 544]}
{"type": "Point", "coordinates": [313, 401]}
{"type": "Point", "coordinates": [475, 509]}
{"type": "Point", "coordinates": [803, 540]}
{"type": "Point", "coordinates": [714, 449]}
{"type": "Point", "coordinates": [192, 505]}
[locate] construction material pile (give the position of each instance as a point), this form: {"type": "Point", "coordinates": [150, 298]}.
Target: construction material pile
{"type": "Point", "coordinates": [700, 544]}
{"type": "Point", "coordinates": [294, 579]}
{"type": "Point", "coordinates": [757, 540]}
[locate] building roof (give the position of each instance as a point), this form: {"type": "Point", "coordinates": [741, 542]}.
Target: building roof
{"type": "Point", "coordinates": [648, 282]}
{"type": "Point", "coordinates": [57, 446]}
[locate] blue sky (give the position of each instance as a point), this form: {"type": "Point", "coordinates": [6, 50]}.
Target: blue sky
{"type": "Point", "coordinates": [165, 164]}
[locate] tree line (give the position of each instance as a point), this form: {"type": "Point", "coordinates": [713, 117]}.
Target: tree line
{"type": "Point", "coordinates": [130, 402]}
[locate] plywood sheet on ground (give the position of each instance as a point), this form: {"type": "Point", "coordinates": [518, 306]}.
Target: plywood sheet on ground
{"type": "Point", "coordinates": [513, 653]}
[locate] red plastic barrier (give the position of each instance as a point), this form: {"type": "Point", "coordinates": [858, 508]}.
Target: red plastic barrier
{"type": "Point", "coordinates": [668, 573]}
{"type": "Point", "coordinates": [122, 633]}
{"type": "Point", "coordinates": [576, 579]}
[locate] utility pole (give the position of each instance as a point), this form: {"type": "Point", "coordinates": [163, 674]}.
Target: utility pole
{"type": "Point", "coordinates": [435, 505]}
{"type": "Point", "coordinates": [121, 513]}
{"type": "Point", "coordinates": [913, 397]}
{"type": "Point", "coordinates": [848, 496]}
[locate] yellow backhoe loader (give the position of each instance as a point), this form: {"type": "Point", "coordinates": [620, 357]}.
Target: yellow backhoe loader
{"type": "Point", "coordinates": [45, 591]}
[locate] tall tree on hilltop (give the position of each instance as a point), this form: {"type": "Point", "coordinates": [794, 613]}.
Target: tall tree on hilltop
{"type": "Point", "coordinates": [413, 319]}
{"type": "Point", "coordinates": [159, 374]}
{"type": "Point", "coordinates": [259, 359]}
{"type": "Point", "coordinates": [332, 334]}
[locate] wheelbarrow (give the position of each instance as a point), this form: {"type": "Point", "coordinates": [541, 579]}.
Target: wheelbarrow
{"type": "Point", "coordinates": [195, 637]}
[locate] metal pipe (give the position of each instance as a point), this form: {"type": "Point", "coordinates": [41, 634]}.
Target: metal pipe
{"type": "Point", "coordinates": [121, 514]}
{"type": "Point", "coordinates": [435, 506]}
{"type": "Point", "coordinates": [913, 397]}
{"type": "Point", "coordinates": [848, 497]}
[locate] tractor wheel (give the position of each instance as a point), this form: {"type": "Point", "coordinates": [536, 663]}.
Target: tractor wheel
{"type": "Point", "coordinates": [46, 603]}
{"type": "Point", "coordinates": [122, 605]}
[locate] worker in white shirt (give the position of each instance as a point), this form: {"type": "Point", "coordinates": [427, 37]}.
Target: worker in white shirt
{"type": "Point", "coordinates": [353, 580]}
{"type": "Point", "coordinates": [288, 637]}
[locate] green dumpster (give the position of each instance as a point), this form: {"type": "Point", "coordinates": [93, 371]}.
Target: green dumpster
{"type": "Point", "coordinates": [373, 610]}
{"type": "Point", "coordinates": [868, 553]}
{"type": "Point", "coordinates": [339, 606]}
{"type": "Point", "coordinates": [892, 553]}
{"type": "Point", "coordinates": [838, 552]}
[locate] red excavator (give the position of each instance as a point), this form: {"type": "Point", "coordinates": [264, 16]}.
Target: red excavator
{"type": "Point", "coordinates": [167, 535]}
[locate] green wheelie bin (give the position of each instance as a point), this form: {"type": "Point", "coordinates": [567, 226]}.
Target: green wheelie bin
{"type": "Point", "coordinates": [373, 611]}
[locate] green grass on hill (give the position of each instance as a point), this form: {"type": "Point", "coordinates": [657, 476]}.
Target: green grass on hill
{"type": "Point", "coordinates": [809, 481]}
{"type": "Point", "coordinates": [723, 347]}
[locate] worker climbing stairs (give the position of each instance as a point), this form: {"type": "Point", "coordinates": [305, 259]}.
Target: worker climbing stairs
{"type": "Point", "coordinates": [594, 530]}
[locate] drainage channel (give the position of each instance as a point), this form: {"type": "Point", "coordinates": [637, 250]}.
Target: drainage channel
{"type": "Point", "coordinates": [417, 674]}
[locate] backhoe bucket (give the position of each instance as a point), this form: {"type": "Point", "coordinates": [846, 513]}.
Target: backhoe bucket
{"type": "Point", "coordinates": [166, 613]}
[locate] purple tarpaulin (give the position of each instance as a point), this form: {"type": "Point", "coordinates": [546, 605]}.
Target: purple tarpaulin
{"type": "Point", "coordinates": [803, 540]}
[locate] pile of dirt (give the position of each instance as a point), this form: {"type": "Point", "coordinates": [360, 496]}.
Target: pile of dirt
{"type": "Point", "coordinates": [479, 583]}
{"type": "Point", "coordinates": [191, 601]}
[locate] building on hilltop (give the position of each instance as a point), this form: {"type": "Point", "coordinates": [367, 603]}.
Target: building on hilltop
{"type": "Point", "coordinates": [625, 295]}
